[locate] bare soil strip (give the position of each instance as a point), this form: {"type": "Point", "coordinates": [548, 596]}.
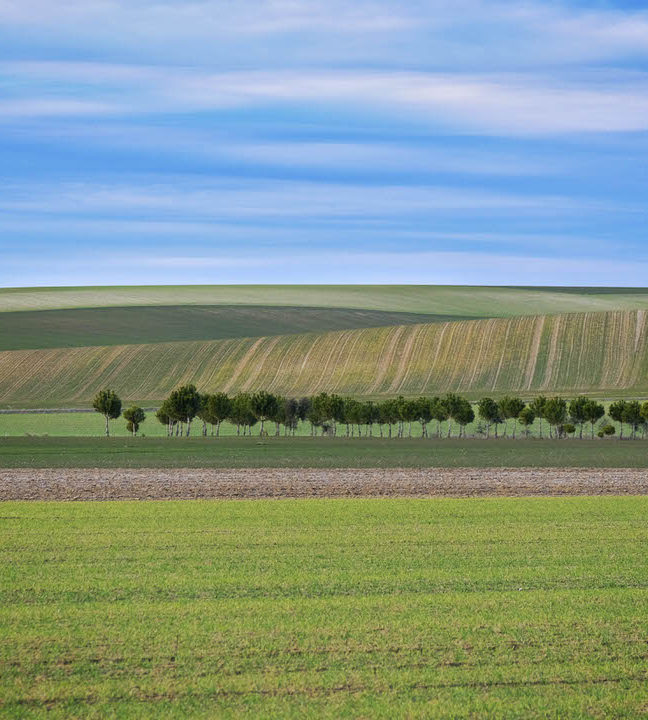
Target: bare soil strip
{"type": "Point", "coordinates": [155, 484]}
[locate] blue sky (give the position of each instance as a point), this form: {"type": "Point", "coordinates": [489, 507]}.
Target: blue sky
{"type": "Point", "coordinates": [323, 141]}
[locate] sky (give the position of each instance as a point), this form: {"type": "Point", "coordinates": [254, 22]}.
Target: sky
{"type": "Point", "coordinates": [323, 141]}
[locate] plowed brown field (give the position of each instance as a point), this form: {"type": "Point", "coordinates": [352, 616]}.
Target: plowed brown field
{"type": "Point", "coordinates": [149, 484]}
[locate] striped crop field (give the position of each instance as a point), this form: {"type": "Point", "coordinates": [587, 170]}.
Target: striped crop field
{"type": "Point", "coordinates": [576, 352]}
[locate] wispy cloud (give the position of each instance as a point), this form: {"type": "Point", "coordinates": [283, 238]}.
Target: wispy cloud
{"type": "Point", "coordinates": [507, 129]}
{"type": "Point", "coordinates": [476, 103]}
{"type": "Point", "coordinates": [320, 267]}
{"type": "Point", "coordinates": [289, 200]}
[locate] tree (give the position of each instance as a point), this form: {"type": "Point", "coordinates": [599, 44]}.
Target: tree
{"type": "Point", "coordinates": [409, 412]}
{"type": "Point", "coordinates": [644, 415]}
{"type": "Point", "coordinates": [279, 416]}
{"type": "Point", "coordinates": [370, 415]}
{"type": "Point", "coordinates": [424, 414]}
{"type": "Point", "coordinates": [353, 414]}
{"type": "Point", "coordinates": [303, 407]}
{"type": "Point", "coordinates": [321, 409]}
{"type": "Point", "coordinates": [389, 413]}
{"type": "Point", "coordinates": [336, 410]}
{"type": "Point", "coordinates": [219, 407]}
{"type": "Point", "coordinates": [464, 415]}
{"type": "Point", "coordinates": [510, 409]}
{"type": "Point", "coordinates": [203, 413]}
{"type": "Point", "coordinates": [264, 405]}
{"type": "Point", "coordinates": [537, 405]}
{"type": "Point", "coordinates": [569, 428]}
{"type": "Point", "coordinates": [527, 418]}
{"type": "Point", "coordinates": [593, 413]}
{"type": "Point", "coordinates": [184, 404]}
{"type": "Point", "coordinates": [452, 404]}
{"type": "Point", "coordinates": [644, 411]}
{"type": "Point", "coordinates": [578, 412]}
{"type": "Point", "coordinates": [241, 412]}
{"type": "Point", "coordinates": [439, 411]}
{"type": "Point", "coordinates": [315, 418]}
{"type": "Point", "coordinates": [135, 417]}
{"type": "Point", "coordinates": [555, 413]}
{"type": "Point", "coordinates": [606, 431]}
{"type": "Point", "coordinates": [164, 417]}
{"type": "Point", "coordinates": [489, 412]}
{"type": "Point", "coordinates": [632, 416]}
{"type": "Point", "coordinates": [291, 415]}
{"type": "Point", "coordinates": [107, 403]}
{"type": "Point", "coordinates": [616, 412]}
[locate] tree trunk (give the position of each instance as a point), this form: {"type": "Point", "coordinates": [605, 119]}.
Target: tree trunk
{"type": "Point", "coordinates": [449, 428]}
{"type": "Point", "coordinates": [107, 428]}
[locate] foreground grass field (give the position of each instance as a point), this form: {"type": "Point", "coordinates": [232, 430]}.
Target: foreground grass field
{"type": "Point", "coordinates": [360, 608]}
{"type": "Point", "coordinates": [251, 452]}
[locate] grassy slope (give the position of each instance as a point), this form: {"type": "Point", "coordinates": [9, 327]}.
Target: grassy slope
{"type": "Point", "coordinates": [443, 300]}
{"type": "Point", "coordinates": [591, 352]}
{"type": "Point", "coordinates": [334, 609]}
{"type": "Point", "coordinates": [235, 452]}
{"type": "Point", "coordinates": [123, 325]}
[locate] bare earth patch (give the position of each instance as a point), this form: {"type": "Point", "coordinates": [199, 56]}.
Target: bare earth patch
{"type": "Point", "coordinates": [160, 484]}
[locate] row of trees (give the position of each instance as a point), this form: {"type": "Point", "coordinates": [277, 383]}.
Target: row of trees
{"type": "Point", "coordinates": [108, 403]}
{"type": "Point", "coordinates": [326, 413]}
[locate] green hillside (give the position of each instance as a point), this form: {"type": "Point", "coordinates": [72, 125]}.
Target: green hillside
{"type": "Point", "coordinates": [577, 352]}
{"type": "Point", "coordinates": [161, 323]}
{"type": "Point", "coordinates": [463, 301]}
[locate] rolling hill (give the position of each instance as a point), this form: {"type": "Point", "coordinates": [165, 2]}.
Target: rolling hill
{"type": "Point", "coordinates": [82, 327]}
{"type": "Point", "coordinates": [458, 301]}
{"type": "Point", "coordinates": [598, 353]}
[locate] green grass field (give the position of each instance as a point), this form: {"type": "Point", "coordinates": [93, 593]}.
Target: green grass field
{"type": "Point", "coordinates": [83, 327]}
{"type": "Point", "coordinates": [91, 424]}
{"type": "Point", "coordinates": [232, 452]}
{"type": "Point", "coordinates": [531, 608]}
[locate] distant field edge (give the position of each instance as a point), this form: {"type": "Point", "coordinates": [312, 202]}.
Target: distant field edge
{"type": "Point", "coordinates": [501, 301]}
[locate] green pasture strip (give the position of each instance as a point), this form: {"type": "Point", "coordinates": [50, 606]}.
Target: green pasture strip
{"type": "Point", "coordinates": [470, 301]}
{"type": "Point", "coordinates": [233, 452]}
{"type": "Point", "coordinates": [83, 327]}
{"type": "Point", "coordinates": [533, 608]}
{"type": "Point", "coordinates": [91, 424]}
